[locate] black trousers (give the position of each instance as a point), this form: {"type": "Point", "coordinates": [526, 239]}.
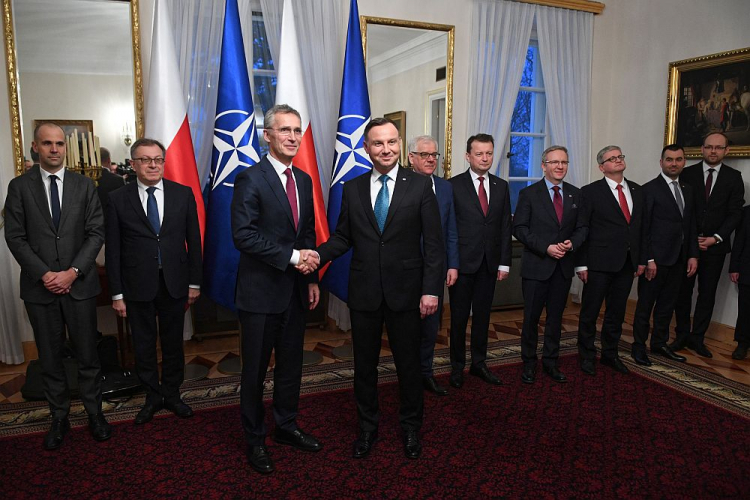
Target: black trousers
{"type": "Point", "coordinates": [710, 267]}
{"type": "Point", "coordinates": [471, 294]}
{"type": "Point", "coordinates": [48, 322]}
{"type": "Point", "coordinates": [142, 316]}
{"type": "Point", "coordinates": [614, 288]}
{"type": "Point", "coordinates": [742, 329]}
{"type": "Point", "coordinates": [283, 333]}
{"type": "Point", "coordinates": [551, 293]}
{"type": "Point", "coordinates": [404, 339]}
{"type": "Point", "coordinates": [658, 296]}
{"type": "Point", "coordinates": [430, 327]}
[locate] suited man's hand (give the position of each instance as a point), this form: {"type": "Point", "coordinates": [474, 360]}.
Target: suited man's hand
{"type": "Point", "coordinates": [566, 245]}
{"type": "Point", "coordinates": [451, 277]}
{"type": "Point", "coordinates": [309, 260]}
{"type": "Point", "coordinates": [59, 282]}
{"type": "Point", "coordinates": [583, 276]}
{"type": "Point", "coordinates": [313, 294]}
{"type": "Point", "coordinates": [651, 270]}
{"type": "Point", "coordinates": [705, 242]}
{"type": "Point", "coordinates": [735, 277]}
{"type": "Point", "coordinates": [640, 270]}
{"type": "Point", "coordinates": [555, 252]}
{"type": "Point", "coordinates": [692, 266]}
{"type": "Point", "coordinates": [193, 294]}
{"type": "Point", "coordinates": [501, 275]}
{"type": "Point", "coordinates": [119, 307]}
{"type": "Point", "coordinates": [427, 305]}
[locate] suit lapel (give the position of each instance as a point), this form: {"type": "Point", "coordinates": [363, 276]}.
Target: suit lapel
{"type": "Point", "coordinates": [721, 182]}
{"type": "Point", "coordinates": [70, 193]}
{"type": "Point", "coordinates": [471, 193]}
{"type": "Point", "coordinates": [274, 182]}
{"type": "Point", "coordinates": [635, 196]}
{"type": "Point", "coordinates": [568, 200]}
{"type": "Point", "coordinates": [614, 204]}
{"type": "Point", "coordinates": [544, 198]}
{"type": "Point", "coordinates": [135, 201]}
{"type": "Point", "coordinates": [402, 184]}
{"type": "Point", "coordinates": [38, 191]}
{"type": "Point", "coordinates": [363, 189]}
{"type": "Point", "coordinates": [668, 191]}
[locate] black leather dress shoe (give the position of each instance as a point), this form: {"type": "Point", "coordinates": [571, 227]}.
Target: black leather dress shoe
{"type": "Point", "coordinates": [364, 443]}
{"type": "Point", "coordinates": [147, 413]}
{"type": "Point", "coordinates": [54, 438]}
{"type": "Point", "coordinates": [456, 380]}
{"type": "Point", "coordinates": [678, 345]}
{"type": "Point", "coordinates": [701, 350]}
{"type": "Point", "coordinates": [666, 352]}
{"type": "Point", "coordinates": [616, 364]}
{"type": "Point", "coordinates": [483, 372]}
{"type": "Point", "coordinates": [412, 445]}
{"type": "Point", "coordinates": [528, 376]}
{"type": "Point", "coordinates": [179, 408]}
{"type": "Point", "coordinates": [640, 358]}
{"type": "Point", "coordinates": [431, 385]}
{"type": "Point", "coordinates": [555, 373]}
{"type": "Point", "coordinates": [259, 459]}
{"type": "Point", "coordinates": [99, 427]}
{"type": "Point", "coordinates": [297, 438]}
{"type": "Point", "coordinates": [740, 352]}
{"type": "Point", "coordinates": [588, 367]}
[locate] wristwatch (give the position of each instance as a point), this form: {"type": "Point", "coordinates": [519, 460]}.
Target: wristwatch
{"type": "Point", "coordinates": [77, 271]}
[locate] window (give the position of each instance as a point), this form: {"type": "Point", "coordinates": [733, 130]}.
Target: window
{"type": "Point", "coordinates": [528, 129]}
{"type": "Point", "coordinates": [264, 76]}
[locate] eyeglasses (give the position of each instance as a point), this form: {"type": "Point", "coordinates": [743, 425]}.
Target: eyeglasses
{"type": "Point", "coordinates": [615, 158]}
{"type": "Point", "coordinates": [556, 163]}
{"type": "Point", "coordinates": [424, 155]}
{"type": "Point", "coordinates": [147, 161]}
{"type": "Point", "coordinates": [715, 148]}
{"type": "Point", "coordinates": [287, 131]}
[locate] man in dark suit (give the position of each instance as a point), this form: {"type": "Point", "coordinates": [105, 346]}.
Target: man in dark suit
{"type": "Point", "coordinates": [153, 257]}
{"type": "Point", "coordinates": [550, 224]}
{"type": "Point", "coordinates": [423, 157]}
{"type": "Point", "coordinates": [719, 196]}
{"type": "Point", "coordinates": [482, 204]}
{"type": "Point", "coordinates": [272, 219]}
{"type": "Point", "coordinates": [739, 273]}
{"type": "Point", "coordinates": [54, 228]}
{"type": "Point", "coordinates": [390, 218]}
{"type": "Point", "coordinates": [608, 260]}
{"type": "Point", "coordinates": [669, 252]}
{"type": "Point", "coordinates": [109, 181]}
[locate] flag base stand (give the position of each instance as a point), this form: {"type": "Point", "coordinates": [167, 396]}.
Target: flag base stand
{"type": "Point", "coordinates": [231, 366]}
{"type": "Point", "coordinates": [343, 352]}
{"type": "Point", "coordinates": [311, 358]}
{"type": "Point", "coordinates": [195, 372]}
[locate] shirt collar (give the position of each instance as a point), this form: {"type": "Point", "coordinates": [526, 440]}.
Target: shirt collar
{"type": "Point", "coordinates": [475, 176]}
{"type": "Point", "coordinates": [550, 185]}
{"type": "Point", "coordinates": [668, 180]}
{"type": "Point", "coordinates": [613, 185]}
{"type": "Point", "coordinates": [159, 185]}
{"type": "Point", "coordinates": [277, 165]}
{"type": "Point", "coordinates": [375, 175]}
{"type": "Point", "coordinates": [706, 166]}
{"type": "Point", "coordinates": [60, 173]}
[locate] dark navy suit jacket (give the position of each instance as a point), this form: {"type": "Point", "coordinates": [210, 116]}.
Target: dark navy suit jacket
{"type": "Point", "coordinates": [444, 194]}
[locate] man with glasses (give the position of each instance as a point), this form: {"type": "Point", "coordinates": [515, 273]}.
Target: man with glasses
{"type": "Point", "coordinates": [424, 157]}
{"type": "Point", "coordinates": [154, 268]}
{"type": "Point", "coordinates": [273, 218]}
{"type": "Point", "coordinates": [719, 196]}
{"type": "Point", "coordinates": [608, 261]}
{"type": "Point", "coordinates": [549, 221]}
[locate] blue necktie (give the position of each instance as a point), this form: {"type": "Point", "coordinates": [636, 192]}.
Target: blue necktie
{"type": "Point", "coordinates": [152, 212]}
{"type": "Point", "coordinates": [381, 203]}
{"type": "Point", "coordinates": [54, 198]}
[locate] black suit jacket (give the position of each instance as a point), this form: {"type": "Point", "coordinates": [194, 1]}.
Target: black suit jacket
{"type": "Point", "coordinates": [108, 183]}
{"type": "Point", "coordinates": [535, 224]}
{"type": "Point", "coordinates": [39, 248]}
{"type": "Point", "coordinates": [133, 247]}
{"type": "Point", "coordinates": [722, 213]}
{"type": "Point", "coordinates": [610, 237]}
{"type": "Point", "coordinates": [481, 237]}
{"type": "Point", "coordinates": [264, 233]}
{"type": "Point", "coordinates": [667, 236]}
{"type": "Point", "coordinates": [393, 266]}
{"type": "Point", "coordinates": [740, 260]}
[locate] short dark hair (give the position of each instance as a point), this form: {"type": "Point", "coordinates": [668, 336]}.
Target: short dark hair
{"type": "Point", "coordinates": [104, 152]}
{"type": "Point", "coordinates": [34, 155]}
{"type": "Point", "coordinates": [726, 139]}
{"type": "Point", "coordinates": [671, 147]}
{"type": "Point", "coordinates": [479, 138]}
{"type": "Point", "coordinates": [45, 124]}
{"type": "Point", "coordinates": [379, 122]}
{"type": "Point", "coordinates": [145, 141]}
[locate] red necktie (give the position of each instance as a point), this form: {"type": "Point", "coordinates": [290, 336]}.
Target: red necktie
{"type": "Point", "coordinates": [483, 197]}
{"type": "Point", "coordinates": [709, 182]}
{"type": "Point", "coordinates": [291, 195]}
{"type": "Point", "coordinates": [623, 203]}
{"type": "Point", "coordinates": [558, 203]}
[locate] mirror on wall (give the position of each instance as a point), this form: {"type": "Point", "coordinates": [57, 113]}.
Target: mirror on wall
{"type": "Point", "coordinates": [75, 61]}
{"type": "Point", "coordinates": [410, 79]}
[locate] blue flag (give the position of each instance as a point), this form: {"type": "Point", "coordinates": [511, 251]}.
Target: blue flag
{"type": "Point", "coordinates": [235, 148]}
{"type": "Point", "coordinates": [350, 159]}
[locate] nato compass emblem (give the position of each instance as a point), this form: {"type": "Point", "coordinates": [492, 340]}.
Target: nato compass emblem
{"type": "Point", "coordinates": [234, 134]}
{"type": "Point", "coordinates": [350, 152]}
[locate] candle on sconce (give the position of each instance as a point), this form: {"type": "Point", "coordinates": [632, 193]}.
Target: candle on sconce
{"type": "Point", "coordinates": [85, 151]}
{"type": "Point", "coordinates": [92, 155]}
{"type": "Point", "coordinates": [76, 152]}
{"type": "Point", "coordinates": [98, 150]}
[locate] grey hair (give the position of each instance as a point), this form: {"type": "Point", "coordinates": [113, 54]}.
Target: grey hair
{"type": "Point", "coordinates": [604, 151]}
{"type": "Point", "coordinates": [279, 109]}
{"type": "Point", "coordinates": [420, 138]}
{"type": "Point", "coordinates": [553, 148]}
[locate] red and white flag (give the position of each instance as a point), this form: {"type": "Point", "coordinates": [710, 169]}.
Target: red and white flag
{"type": "Point", "coordinates": [290, 89]}
{"type": "Point", "coordinates": [166, 111]}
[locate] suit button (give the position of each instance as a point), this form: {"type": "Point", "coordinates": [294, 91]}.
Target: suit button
{"type": "Point", "coordinates": [57, 237]}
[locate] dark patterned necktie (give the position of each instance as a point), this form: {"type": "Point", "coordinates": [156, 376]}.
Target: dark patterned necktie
{"type": "Point", "coordinates": [709, 182]}
{"type": "Point", "coordinates": [54, 199]}
{"type": "Point", "coordinates": [291, 195]}
{"type": "Point", "coordinates": [152, 212]}
{"type": "Point", "coordinates": [483, 197]}
{"type": "Point", "coordinates": [381, 203]}
{"type": "Point", "coordinates": [558, 203]}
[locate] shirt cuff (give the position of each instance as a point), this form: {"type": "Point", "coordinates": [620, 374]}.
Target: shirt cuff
{"type": "Point", "coordinates": [718, 238]}
{"type": "Point", "coordinates": [295, 257]}
{"type": "Point", "coordinates": [581, 268]}
{"type": "Point", "coordinates": [504, 268]}
{"type": "Point", "coordinates": [194, 287]}
{"type": "Point", "coordinates": [118, 297]}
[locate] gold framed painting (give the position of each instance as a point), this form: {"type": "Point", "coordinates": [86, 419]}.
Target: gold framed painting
{"type": "Point", "coordinates": [70, 126]}
{"type": "Point", "coordinates": [399, 118]}
{"type": "Point", "coordinates": [710, 94]}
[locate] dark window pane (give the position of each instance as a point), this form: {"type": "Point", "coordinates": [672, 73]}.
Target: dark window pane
{"type": "Point", "coordinates": [265, 92]}
{"type": "Point", "coordinates": [521, 120]}
{"type": "Point", "coordinates": [261, 53]}
{"type": "Point", "coordinates": [527, 78]}
{"type": "Point", "coordinates": [520, 148]}
{"type": "Point", "coordinates": [515, 188]}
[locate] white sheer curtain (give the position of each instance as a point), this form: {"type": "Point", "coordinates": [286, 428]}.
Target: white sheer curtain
{"type": "Point", "coordinates": [13, 323]}
{"type": "Point", "coordinates": [500, 38]}
{"type": "Point", "coordinates": [565, 50]}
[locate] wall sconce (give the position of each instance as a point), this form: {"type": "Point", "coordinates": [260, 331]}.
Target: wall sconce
{"type": "Point", "coordinates": [127, 134]}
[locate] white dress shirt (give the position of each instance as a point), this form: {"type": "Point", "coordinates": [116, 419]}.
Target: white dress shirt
{"type": "Point", "coordinates": [375, 184]}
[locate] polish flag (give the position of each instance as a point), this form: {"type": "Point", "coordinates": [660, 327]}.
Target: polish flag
{"type": "Point", "coordinates": [166, 111]}
{"type": "Point", "coordinates": [290, 89]}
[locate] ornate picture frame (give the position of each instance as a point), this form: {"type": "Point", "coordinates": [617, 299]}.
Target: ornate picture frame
{"type": "Point", "coordinates": [399, 118]}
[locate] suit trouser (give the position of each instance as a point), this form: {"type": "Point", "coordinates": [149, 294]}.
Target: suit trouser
{"type": "Point", "coordinates": [404, 340]}
{"type": "Point", "coordinates": [658, 295]}
{"type": "Point", "coordinates": [471, 294]}
{"type": "Point", "coordinates": [142, 316]}
{"type": "Point", "coordinates": [283, 333]}
{"type": "Point", "coordinates": [430, 327]}
{"type": "Point", "coordinates": [551, 293]}
{"type": "Point", "coordinates": [614, 287]}
{"type": "Point", "coordinates": [742, 329]}
{"type": "Point", "coordinates": [48, 322]}
{"type": "Point", "coordinates": [710, 267]}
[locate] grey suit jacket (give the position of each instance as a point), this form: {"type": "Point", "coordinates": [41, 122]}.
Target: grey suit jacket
{"type": "Point", "coordinates": [38, 247]}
